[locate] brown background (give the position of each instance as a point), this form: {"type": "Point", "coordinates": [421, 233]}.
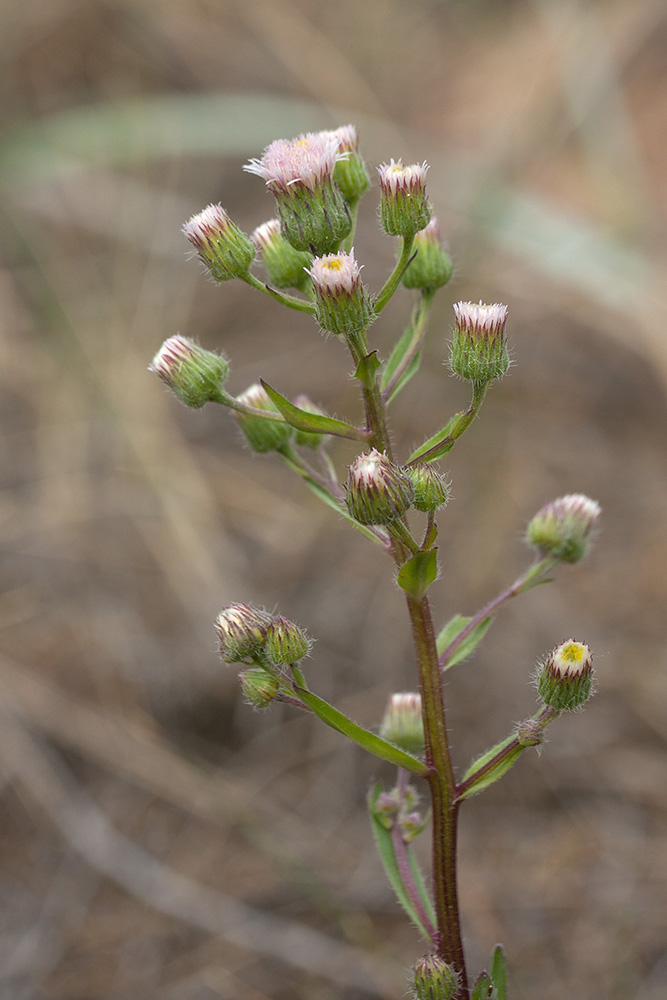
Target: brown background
{"type": "Point", "coordinates": [158, 838]}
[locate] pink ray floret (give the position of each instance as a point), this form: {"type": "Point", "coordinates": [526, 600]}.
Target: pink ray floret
{"type": "Point", "coordinates": [308, 160]}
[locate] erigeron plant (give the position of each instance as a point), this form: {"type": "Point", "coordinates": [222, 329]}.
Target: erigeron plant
{"type": "Point", "coordinates": [307, 252]}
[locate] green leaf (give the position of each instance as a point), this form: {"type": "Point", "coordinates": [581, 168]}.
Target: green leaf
{"type": "Point", "coordinates": [369, 741]}
{"type": "Point", "coordinates": [385, 846]}
{"type": "Point", "coordinates": [452, 629]}
{"type": "Point", "coordinates": [493, 774]}
{"type": "Point", "coordinates": [483, 988]}
{"type": "Point", "coordinates": [444, 438]}
{"type": "Point", "coordinates": [401, 350]}
{"type": "Point", "coordinates": [499, 972]}
{"type": "Point", "coordinates": [367, 368]}
{"type": "Point", "coordinates": [303, 420]}
{"type": "Point", "coordinates": [326, 497]}
{"type": "Point", "coordinates": [418, 573]}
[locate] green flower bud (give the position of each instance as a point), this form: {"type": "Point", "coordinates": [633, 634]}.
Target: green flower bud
{"type": "Point", "coordinates": [478, 350]}
{"type": "Point", "coordinates": [285, 267]}
{"type": "Point", "coordinates": [258, 687]}
{"type": "Point", "coordinates": [299, 173]}
{"type": "Point", "coordinates": [431, 487]}
{"type": "Point", "coordinates": [402, 724]}
{"type": "Point", "coordinates": [404, 207]}
{"type": "Point", "coordinates": [432, 267]}
{"type": "Point", "coordinates": [223, 248]}
{"type": "Point", "coordinates": [377, 492]}
{"type": "Point", "coordinates": [286, 643]}
{"type": "Point", "coordinates": [194, 375]}
{"type": "Point", "coordinates": [241, 632]}
{"type": "Point", "coordinates": [261, 434]}
{"type": "Point", "coordinates": [565, 678]}
{"type": "Point", "coordinates": [350, 172]}
{"type": "Point", "coordinates": [308, 439]}
{"type": "Point", "coordinates": [343, 306]}
{"type": "Point", "coordinates": [434, 979]}
{"type": "Point", "coordinates": [562, 529]}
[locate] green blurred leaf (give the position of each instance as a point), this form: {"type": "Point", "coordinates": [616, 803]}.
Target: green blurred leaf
{"type": "Point", "coordinates": [483, 988]}
{"type": "Point", "coordinates": [418, 573]}
{"type": "Point", "coordinates": [452, 629]}
{"type": "Point", "coordinates": [304, 420]}
{"type": "Point", "coordinates": [363, 737]}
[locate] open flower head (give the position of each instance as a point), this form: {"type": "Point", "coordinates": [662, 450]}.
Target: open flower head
{"type": "Point", "coordinates": [404, 207]}
{"type": "Point", "coordinates": [479, 348]}
{"type": "Point", "coordinates": [565, 678]}
{"type": "Point", "coordinates": [194, 375]}
{"type": "Point", "coordinates": [343, 305]}
{"type": "Point", "coordinates": [307, 161]}
{"type": "Point", "coordinates": [223, 248]}
{"type": "Point", "coordinates": [563, 528]}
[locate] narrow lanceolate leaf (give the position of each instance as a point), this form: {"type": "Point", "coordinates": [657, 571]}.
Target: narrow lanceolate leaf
{"type": "Point", "coordinates": [418, 573]}
{"type": "Point", "coordinates": [385, 846]}
{"type": "Point", "coordinates": [499, 972]}
{"type": "Point", "coordinates": [332, 502]}
{"type": "Point", "coordinates": [303, 420]}
{"type": "Point", "coordinates": [439, 444]}
{"type": "Point", "coordinates": [483, 988]}
{"type": "Point", "coordinates": [506, 754]}
{"type": "Point", "coordinates": [452, 629]}
{"type": "Point", "coordinates": [369, 741]}
{"type": "Point", "coordinates": [401, 362]}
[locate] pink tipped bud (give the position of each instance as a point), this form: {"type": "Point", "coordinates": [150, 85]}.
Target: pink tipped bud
{"type": "Point", "coordinates": [565, 678]}
{"type": "Point", "coordinates": [194, 375]}
{"type": "Point", "coordinates": [562, 529]}
{"type": "Point", "coordinates": [286, 643]}
{"type": "Point", "coordinates": [404, 207]}
{"type": "Point", "coordinates": [377, 491]}
{"type": "Point", "coordinates": [343, 306]}
{"type": "Point", "coordinates": [432, 267]}
{"type": "Point", "coordinates": [350, 172]}
{"type": "Point", "coordinates": [241, 632]}
{"type": "Point", "coordinates": [402, 724]}
{"type": "Point", "coordinates": [261, 433]}
{"type": "Point", "coordinates": [478, 349]}
{"type": "Point", "coordinates": [434, 979]}
{"type": "Point", "coordinates": [223, 248]}
{"type": "Point", "coordinates": [285, 266]}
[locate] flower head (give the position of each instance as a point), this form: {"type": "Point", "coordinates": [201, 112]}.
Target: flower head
{"type": "Point", "coordinates": [194, 375]}
{"type": "Point", "coordinates": [434, 979]}
{"type": "Point", "coordinates": [404, 207]}
{"type": "Point", "coordinates": [259, 688]}
{"type": "Point", "coordinates": [285, 266]}
{"type": "Point", "coordinates": [402, 723]}
{"type": "Point", "coordinates": [562, 529]}
{"type": "Point", "coordinates": [432, 267]}
{"type": "Point", "coordinates": [307, 161]}
{"type": "Point", "coordinates": [286, 643]}
{"type": "Point", "coordinates": [350, 172]}
{"type": "Point", "coordinates": [565, 678]}
{"type": "Point", "coordinates": [479, 349]}
{"type": "Point", "coordinates": [261, 433]}
{"type": "Point", "coordinates": [223, 248]}
{"type": "Point", "coordinates": [241, 632]}
{"type": "Point", "coordinates": [377, 491]}
{"type": "Point", "coordinates": [343, 305]}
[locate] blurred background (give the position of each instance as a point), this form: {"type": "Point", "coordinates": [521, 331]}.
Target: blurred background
{"type": "Point", "coordinates": [159, 839]}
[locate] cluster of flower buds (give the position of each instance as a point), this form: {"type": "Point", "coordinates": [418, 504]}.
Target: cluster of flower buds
{"type": "Point", "coordinates": [434, 979]}
{"type": "Point", "coordinates": [562, 529]}
{"type": "Point", "coordinates": [194, 375]}
{"type": "Point", "coordinates": [565, 678]}
{"type": "Point", "coordinates": [402, 723]}
{"type": "Point", "coordinates": [478, 349]}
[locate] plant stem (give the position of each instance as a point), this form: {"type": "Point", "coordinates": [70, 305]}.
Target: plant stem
{"type": "Point", "coordinates": [291, 301]}
{"type": "Point", "coordinates": [391, 284]}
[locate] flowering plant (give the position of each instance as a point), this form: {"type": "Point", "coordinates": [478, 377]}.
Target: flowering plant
{"type": "Point", "coordinates": [317, 181]}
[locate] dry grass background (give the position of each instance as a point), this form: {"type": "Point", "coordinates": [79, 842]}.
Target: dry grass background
{"type": "Point", "coordinates": [158, 839]}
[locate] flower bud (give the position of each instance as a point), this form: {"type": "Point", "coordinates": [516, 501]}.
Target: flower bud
{"type": "Point", "coordinates": [402, 724]}
{"type": "Point", "coordinates": [241, 632]}
{"type": "Point", "coordinates": [434, 979]}
{"type": "Point", "coordinates": [284, 266]}
{"type": "Point", "coordinates": [432, 267]}
{"type": "Point", "coordinates": [308, 439]}
{"type": "Point", "coordinates": [342, 304]}
{"type": "Point", "coordinates": [404, 207]}
{"type": "Point", "coordinates": [299, 173]}
{"type": "Point", "coordinates": [565, 678]}
{"type": "Point", "coordinates": [223, 248]}
{"type": "Point", "coordinates": [286, 643]}
{"type": "Point", "coordinates": [258, 687]}
{"type": "Point", "coordinates": [261, 434]}
{"type": "Point", "coordinates": [350, 172]}
{"type": "Point", "coordinates": [562, 529]}
{"type": "Point", "coordinates": [377, 492]}
{"type": "Point", "coordinates": [529, 733]}
{"type": "Point", "coordinates": [194, 375]}
{"type": "Point", "coordinates": [431, 487]}
{"type": "Point", "coordinates": [478, 349]}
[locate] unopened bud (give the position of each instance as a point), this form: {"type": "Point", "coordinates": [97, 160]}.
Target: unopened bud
{"type": "Point", "coordinates": [431, 487]}
{"type": "Point", "coordinates": [350, 173]}
{"type": "Point", "coordinates": [479, 350]}
{"type": "Point", "coordinates": [258, 687]}
{"type": "Point", "coordinates": [432, 267]}
{"type": "Point", "coordinates": [377, 492]}
{"type": "Point", "coordinates": [565, 678]}
{"type": "Point", "coordinates": [286, 643]}
{"type": "Point", "coordinates": [194, 375]}
{"type": "Point", "coordinates": [342, 303]}
{"type": "Point", "coordinates": [404, 207]}
{"type": "Point", "coordinates": [434, 979]}
{"type": "Point", "coordinates": [308, 439]}
{"type": "Point", "coordinates": [223, 248]}
{"type": "Point", "coordinates": [285, 266]}
{"type": "Point", "coordinates": [402, 724]}
{"type": "Point", "coordinates": [241, 632]}
{"type": "Point", "coordinates": [562, 529]}
{"type": "Point", "coordinates": [261, 433]}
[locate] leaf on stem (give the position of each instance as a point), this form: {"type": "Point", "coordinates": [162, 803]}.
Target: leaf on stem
{"type": "Point", "coordinates": [330, 500]}
{"type": "Point", "coordinates": [385, 846]}
{"type": "Point", "coordinates": [483, 988]}
{"type": "Point", "coordinates": [367, 369]}
{"type": "Point", "coordinates": [507, 751]}
{"type": "Point", "coordinates": [418, 573]}
{"type": "Point", "coordinates": [439, 444]}
{"type": "Point", "coordinates": [363, 737]}
{"type": "Point", "coordinates": [499, 972]}
{"type": "Point", "coordinates": [401, 350]}
{"type": "Point", "coordinates": [315, 423]}
{"type": "Point", "coordinates": [452, 629]}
